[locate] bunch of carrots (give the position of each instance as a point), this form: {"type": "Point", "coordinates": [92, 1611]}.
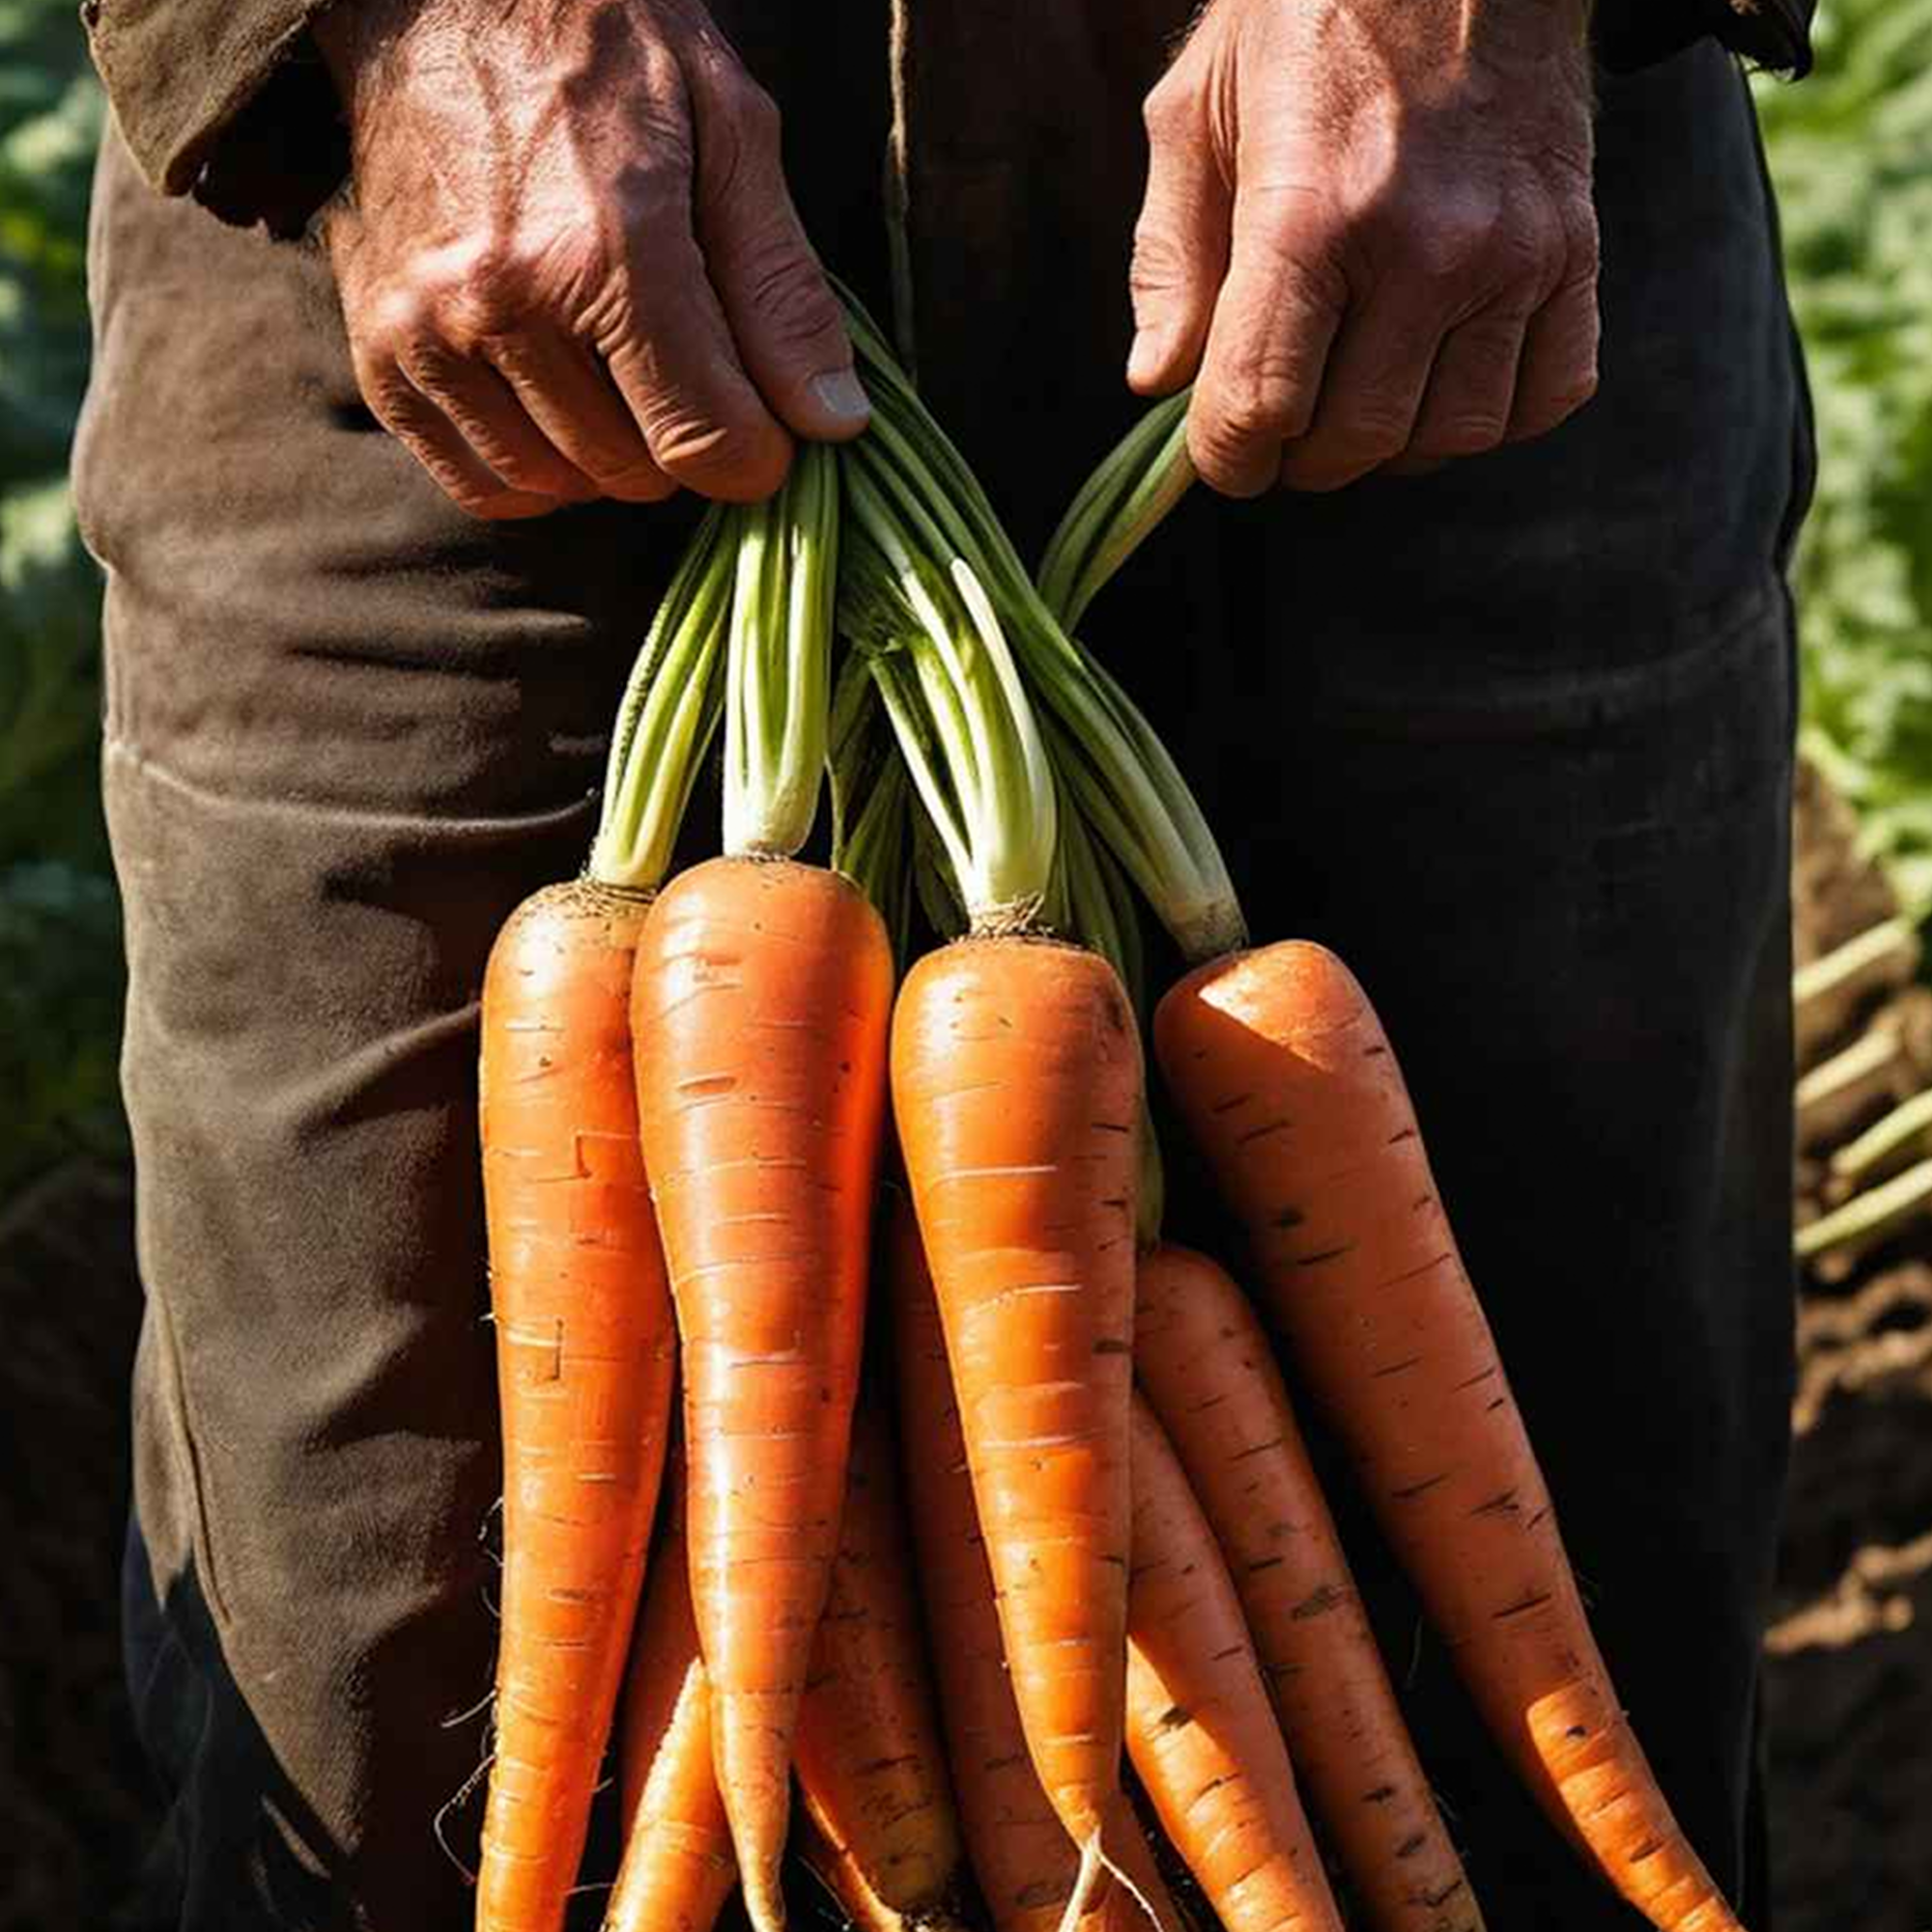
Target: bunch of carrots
{"type": "Point", "coordinates": [1003, 1598]}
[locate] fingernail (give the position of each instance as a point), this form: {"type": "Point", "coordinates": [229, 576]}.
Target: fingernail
{"type": "Point", "coordinates": [839, 391]}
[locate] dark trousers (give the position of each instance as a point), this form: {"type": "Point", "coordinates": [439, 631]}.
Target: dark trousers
{"type": "Point", "coordinates": [1515, 738]}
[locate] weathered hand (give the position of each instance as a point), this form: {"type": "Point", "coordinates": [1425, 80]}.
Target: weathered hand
{"type": "Point", "coordinates": [1368, 234]}
{"type": "Point", "coordinates": [571, 266]}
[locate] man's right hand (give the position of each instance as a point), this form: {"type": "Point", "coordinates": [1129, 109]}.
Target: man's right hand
{"type": "Point", "coordinates": [571, 268]}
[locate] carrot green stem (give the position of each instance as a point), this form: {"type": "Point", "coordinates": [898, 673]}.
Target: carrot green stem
{"type": "Point", "coordinates": [1114, 763]}
{"type": "Point", "coordinates": [777, 688]}
{"type": "Point", "coordinates": [955, 697]}
{"type": "Point", "coordinates": [1133, 487]}
{"type": "Point", "coordinates": [872, 816]}
{"type": "Point", "coordinates": [666, 719]}
{"type": "Point", "coordinates": [1091, 903]}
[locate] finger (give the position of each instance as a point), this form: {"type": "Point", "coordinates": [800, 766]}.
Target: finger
{"type": "Point", "coordinates": [1371, 390]}
{"type": "Point", "coordinates": [1558, 370]}
{"type": "Point", "coordinates": [782, 311]}
{"type": "Point", "coordinates": [672, 359]}
{"type": "Point", "coordinates": [487, 414]}
{"type": "Point", "coordinates": [1465, 409]}
{"type": "Point", "coordinates": [1180, 243]}
{"type": "Point", "coordinates": [1274, 325]}
{"type": "Point", "coordinates": [433, 441]}
{"type": "Point", "coordinates": [570, 396]}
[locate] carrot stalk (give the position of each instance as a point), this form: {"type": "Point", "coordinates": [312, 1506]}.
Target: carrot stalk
{"type": "Point", "coordinates": [584, 1346]}
{"type": "Point", "coordinates": [870, 1768]}
{"type": "Point", "coordinates": [760, 1005]}
{"type": "Point", "coordinates": [1026, 1865]}
{"type": "Point", "coordinates": [1110, 757]}
{"type": "Point", "coordinates": [1205, 1366]}
{"type": "Point", "coordinates": [1286, 1077]}
{"type": "Point", "coordinates": [678, 1866]}
{"type": "Point", "coordinates": [1016, 1086]}
{"type": "Point", "coordinates": [1200, 1732]}
{"type": "Point", "coordinates": [1119, 505]}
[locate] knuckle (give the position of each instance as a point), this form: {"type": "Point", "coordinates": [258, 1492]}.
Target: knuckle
{"type": "Point", "coordinates": [759, 118]}
{"type": "Point", "coordinates": [731, 461]}
{"type": "Point", "coordinates": [1167, 109]}
{"type": "Point", "coordinates": [492, 297]}
{"type": "Point", "coordinates": [1469, 433]}
{"type": "Point", "coordinates": [1231, 460]}
{"type": "Point", "coordinates": [1273, 400]}
{"type": "Point", "coordinates": [1159, 265]}
{"type": "Point", "coordinates": [788, 290]}
{"type": "Point", "coordinates": [1373, 434]}
{"type": "Point", "coordinates": [1318, 471]}
{"type": "Point", "coordinates": [640, 483]}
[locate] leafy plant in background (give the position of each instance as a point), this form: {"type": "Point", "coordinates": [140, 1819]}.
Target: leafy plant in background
{"type": "Point", "coordinates": [1851, 149]}
{"type": "Point", "coordinates": [60, 964]}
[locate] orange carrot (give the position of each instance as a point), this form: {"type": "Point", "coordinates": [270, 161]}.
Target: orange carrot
{"type": "Point", "coordinates": [870, 1768]}
{"type": "Point", "coordinates": [1200, 1732]}
{"type": "Point", "coordinates": [1016, 1083]}
{"type": "Point", "coordinates": [1287, 1080]}
{"type": "Point", "coordinates": [1207, 1373]}
{"type": "Point", "coordinates": [760, 1004]}
{"type": "Point", "coordinates": [584, 1364]}
{"type": "Point", "coordinates": [678, 1867]}
{"type": "Point", "coordinates": [1026, 1865]}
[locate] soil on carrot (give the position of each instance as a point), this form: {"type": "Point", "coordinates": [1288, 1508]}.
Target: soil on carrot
{"type": "Point", "coordinates": [1849, 1665]}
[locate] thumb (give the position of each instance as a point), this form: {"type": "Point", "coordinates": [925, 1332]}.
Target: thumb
{"type": "Point", "coordinates": [1180, 242]}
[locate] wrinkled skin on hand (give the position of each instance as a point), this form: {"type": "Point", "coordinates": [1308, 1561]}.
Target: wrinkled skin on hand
{"type": "Point", "coordinates": [1368, 234]}
{"type": "Point", "coordinates": [570, 267]}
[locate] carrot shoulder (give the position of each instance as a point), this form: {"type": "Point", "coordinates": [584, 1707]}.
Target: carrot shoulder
{"type": "Point", "coordinates": [1288, 1082]}
{"type": "Point", "coordinates": [1208, 1372]}
{"type": "Point", "coordinates": [585, 1363]}
{"type": "Point", "coordinates": [760, 1004]}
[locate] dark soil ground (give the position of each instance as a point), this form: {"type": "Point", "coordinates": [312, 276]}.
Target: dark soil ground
{"type": "Point", "coordinates": [1850, 1657]}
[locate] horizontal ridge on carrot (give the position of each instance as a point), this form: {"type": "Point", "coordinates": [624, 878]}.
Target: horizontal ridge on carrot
{"type": "Point", "coordinates": [1288, 1082]}
{"type": "Point", "coordinates": [870, 1768]}
{"type": "Point", "coordinates": [1201, 1734]}
{"type": "Point", "coordinates": [1206, 1369]}
{"type": "Point", "coordinates": [584, 1343]}
{"type": "Point", "coordinates": [1026, 1865]}
{"type": "Point", "coordinates": [678, 1867]}
{"type": "Point", "coordinates": [760, 1007]}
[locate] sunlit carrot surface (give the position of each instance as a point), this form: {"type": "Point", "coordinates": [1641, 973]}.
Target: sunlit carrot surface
{"type": "Point", "coordinates": [585, 1351]}
{"type": "Point", "coordinates": [872, 1768]}
{"type": "Point", "coordinates": [1201, 1733]}
{"type": "Point", "coordinates": [1207, 1372]}
{"type": "Point", "coordinates": [678, 1867]}
{"type": "Point", "coordinates": [1025, 1862]}
{"type": "Point", "coordinates": [761, 1009]}
{"type": "Point", "coordinates": [1016, 1083]}
{"type": "Point", "coordinates": [1288, 1082]}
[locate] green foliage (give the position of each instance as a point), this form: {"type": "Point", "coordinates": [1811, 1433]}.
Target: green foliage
{"type": "Point", "coordinates": [60, 946]}
{"type": "Point", "coordinates": [1851, 149]}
